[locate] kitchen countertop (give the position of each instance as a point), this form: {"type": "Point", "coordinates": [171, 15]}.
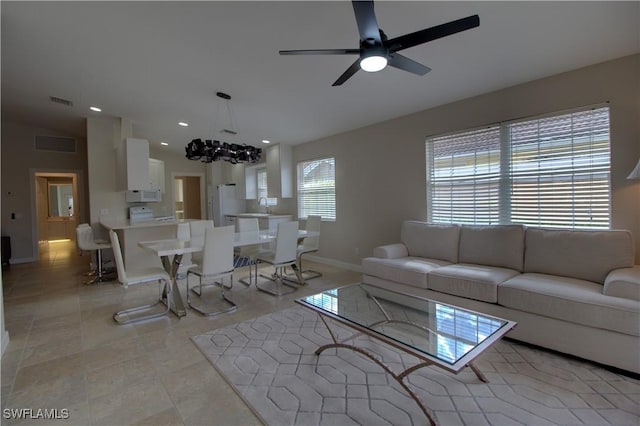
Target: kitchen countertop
{"type": "Point", "coordinates": [126, 223]}
{"type": "Point", "coordinates": [259, 215]}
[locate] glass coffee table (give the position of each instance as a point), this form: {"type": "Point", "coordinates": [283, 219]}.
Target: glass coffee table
{"type": "Point", "coordinates": [436, 333]}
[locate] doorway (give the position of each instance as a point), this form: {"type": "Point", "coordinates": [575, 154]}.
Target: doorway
{"type": "Point", "coordinates": [188, 198]}
{"type": "Point", "coordinates": [57, 208]}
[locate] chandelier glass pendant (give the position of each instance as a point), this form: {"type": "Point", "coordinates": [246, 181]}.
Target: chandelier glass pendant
{"type": "Point", "coordinates": [209, 150]}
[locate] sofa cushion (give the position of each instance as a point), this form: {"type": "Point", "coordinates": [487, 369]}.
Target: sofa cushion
{"type": "Point", "coordinates": [571, 300]}
{"type": "Point", "coordinates": [497, 245]}
{"type": "Point", "coordinates": [431, 241]}
{"type": "Point", "coordinates": [585, 255]}
{"type": "Point", "coordinates": [476, 282]}
{"type": "Point", "coordinates": [405, 270]}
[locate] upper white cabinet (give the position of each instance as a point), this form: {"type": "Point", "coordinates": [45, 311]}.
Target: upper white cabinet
{"type": "Point", "coordinates": [156, 175]}
{"type": "Point", "coordinates": [279, 171]}
{"type": "Point", "coordinates": [133, 162]}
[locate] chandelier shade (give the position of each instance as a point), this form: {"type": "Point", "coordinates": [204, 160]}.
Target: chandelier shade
{"type": "Point", "coordinates": [209, 150]}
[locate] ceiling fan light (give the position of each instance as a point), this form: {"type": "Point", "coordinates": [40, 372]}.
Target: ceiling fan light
{"type": "Point", "coordinates": [373, 63]}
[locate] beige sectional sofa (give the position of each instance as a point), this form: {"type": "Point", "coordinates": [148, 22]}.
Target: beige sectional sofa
{"type": "Point", "coordinates": [577, 292]}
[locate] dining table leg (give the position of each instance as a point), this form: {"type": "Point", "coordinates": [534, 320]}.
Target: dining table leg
{"type": "Point", "coordinates": [171, 267]}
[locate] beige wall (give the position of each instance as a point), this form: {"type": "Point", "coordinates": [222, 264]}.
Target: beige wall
{"type": "Point", "coordinates": [104, 135]}
{"type": "Point", "coordinates": [380, 169]}
{"type": "Point", "coordinates": [19, 161]}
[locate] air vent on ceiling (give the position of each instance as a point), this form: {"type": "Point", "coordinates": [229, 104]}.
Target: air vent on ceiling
{"type": "Point", "coordinates": [56, 144]}
{"type": "Point", "coordinates": [231, 132]}
{"type": "Point", "coordinates": [61, 101]}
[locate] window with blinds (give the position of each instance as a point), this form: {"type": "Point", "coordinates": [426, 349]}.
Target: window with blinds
{"type": "Point", "coordinates": [317, 188]}
{"type": "Point", "coordinates": [552, 171]}
{"type": "Point", "coordinates": [261, 188]}
{"type": "Point", "coordinates": [464, 177]}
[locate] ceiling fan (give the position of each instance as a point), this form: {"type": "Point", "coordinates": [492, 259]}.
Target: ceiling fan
{"type": "Point", "coordinates": [377, 51]}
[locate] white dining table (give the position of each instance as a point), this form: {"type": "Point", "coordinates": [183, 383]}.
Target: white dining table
{"type": "Point", "coordinates": [171, 251]}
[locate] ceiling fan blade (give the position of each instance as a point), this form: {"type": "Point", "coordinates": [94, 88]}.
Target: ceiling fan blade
{"type": "Point", "coordinates": [396, 60]}
{"type": "Point", "coordinates": [348, 73]}
{"type": "Point", "coordinates": [321, 52]}
{"type": "Point", "coordinates": [366, 19]}
{"type": "Point", "coordinates": [413, 39]}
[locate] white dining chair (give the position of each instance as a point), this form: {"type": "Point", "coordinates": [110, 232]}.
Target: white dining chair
{"type": "Point", "coordinates": [310, 245]}
{"type": "Point", "coordinates": [183, 233]}
{"type": "Point", "coordinates": [247, 255]}
{"type": "Point", "coordinates": [217, 265]}
{"type": "Point", "coordinates": [86, 242]}
{"type": "Point", "coordinates": [141, 276]}
{"type": "Point", "coordinates": [283, 256]}
{"type": "Point", "coordinates": [197, 230]}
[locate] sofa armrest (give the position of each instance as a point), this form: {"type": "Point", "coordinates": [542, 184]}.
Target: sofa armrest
{"type": "Point", "coordinates": [623, 282]}
{"type": "Point", "coordinates": [391, 251]}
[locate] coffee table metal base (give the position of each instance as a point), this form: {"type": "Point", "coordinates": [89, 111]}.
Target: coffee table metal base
{"type": "Point", "coordinates": [398, 377]}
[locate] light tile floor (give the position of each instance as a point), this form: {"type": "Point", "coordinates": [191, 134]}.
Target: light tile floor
{"type": "Point", "coordinates": [65, 350]}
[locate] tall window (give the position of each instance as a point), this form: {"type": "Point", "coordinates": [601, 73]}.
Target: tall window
{"type": "Point", "coordinates": [549, 171]}
{"type": "Point", "coordinates": [317, 188]}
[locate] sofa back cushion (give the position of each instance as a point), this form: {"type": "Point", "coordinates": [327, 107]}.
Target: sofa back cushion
{"type": "Point", "coordinates": [431, 241]}
{"type": "Point", "coordinates": [495, 245]}
{"type": "Point", "coordinates": [586, 255]}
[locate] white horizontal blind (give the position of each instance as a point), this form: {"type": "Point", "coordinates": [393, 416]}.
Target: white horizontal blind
{"type": "Point", "coordinates": [560, 168]}
{"type": "Point", "coordinates": [317, 188]}
{"type": "Point", "coordinates": [261, 185]}
{"type": "Point", "coordinates": [463, 177]}
{"type": "Point", "coordinates": [548, 171]}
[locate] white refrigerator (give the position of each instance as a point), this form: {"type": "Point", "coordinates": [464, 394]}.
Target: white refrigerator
{"type": "Point", "coordinates": [223, 201]}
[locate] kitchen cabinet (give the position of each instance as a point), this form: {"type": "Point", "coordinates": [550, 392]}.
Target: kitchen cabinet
{"type": "Point", "coordinates": [156, 175]}
{"type": "Point", "coordinates": [279, 171]}
{"type": "Point", "coordinates": [133, 163]}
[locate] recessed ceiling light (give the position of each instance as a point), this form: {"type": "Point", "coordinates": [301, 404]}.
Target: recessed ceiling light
{"type": "Point", "coordinates": [183, 124]}
{"type": "Point", "coordinates": [164, 143]}
{"type": "Point", "coordinates": [96, 109]}
{"type": "Point", "coordinates": [265, 141]}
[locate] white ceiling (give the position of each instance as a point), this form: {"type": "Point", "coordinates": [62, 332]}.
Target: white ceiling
{"type": "Point", "coordinates": [159, 63]}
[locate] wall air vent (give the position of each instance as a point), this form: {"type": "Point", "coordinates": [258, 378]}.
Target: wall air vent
{"type": "Point", "coordinates": [61, 101]}
{"type": "Point", "coordinates": [55, 144]}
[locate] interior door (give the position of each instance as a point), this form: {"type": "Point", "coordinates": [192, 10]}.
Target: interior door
{"type": "Point", "coordinates": [191, 197]}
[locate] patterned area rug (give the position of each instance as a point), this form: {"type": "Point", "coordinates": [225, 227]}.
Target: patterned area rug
{"type": "Point", "coordinates": [270, 362]}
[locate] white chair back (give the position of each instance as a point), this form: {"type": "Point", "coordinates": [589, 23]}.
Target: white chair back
{"type": "Point", "coordinates": [218, 250]}
{"type": "Point", "coordinates": [286, 242]}
{"type": "Point", "coordinates": [84, 237]}
{"type": "Point", "coordinates": [313, 224]}
{"type": "Point", "coordinates": [184, 231]}
{"type": "Point", "coordinates": [198, 228]}
{"type": "Point", "coordinates": [117, 255]}
{"type": "Point", "coordinates": [197, 231]}
{"type": "Point", "coordinates": [248, 224]}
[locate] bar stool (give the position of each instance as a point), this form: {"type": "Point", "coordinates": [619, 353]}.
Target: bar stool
{"type": "Point", "coordinates": [86, 242]}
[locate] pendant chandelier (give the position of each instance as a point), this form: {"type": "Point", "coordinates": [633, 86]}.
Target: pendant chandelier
{"type": "Point", "coordinates": [209, 150]}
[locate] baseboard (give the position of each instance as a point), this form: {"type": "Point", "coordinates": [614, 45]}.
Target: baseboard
{"type": "Point", "coordinates": [22, 260]}
{"type": "Point", "coordinates": [5, 341]}
{"type": "Point", "coordinates": [334, 262]}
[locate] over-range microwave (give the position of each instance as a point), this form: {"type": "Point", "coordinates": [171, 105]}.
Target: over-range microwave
{"type": "Point", "coordinates": [143, 196]}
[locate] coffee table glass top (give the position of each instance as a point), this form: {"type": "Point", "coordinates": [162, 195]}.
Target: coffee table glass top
{"type": "Point", "coordinates": [445, 333]}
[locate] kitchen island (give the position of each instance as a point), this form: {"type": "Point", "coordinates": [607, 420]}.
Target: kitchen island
{"type": "Point", "coordinates": [130, 234]}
